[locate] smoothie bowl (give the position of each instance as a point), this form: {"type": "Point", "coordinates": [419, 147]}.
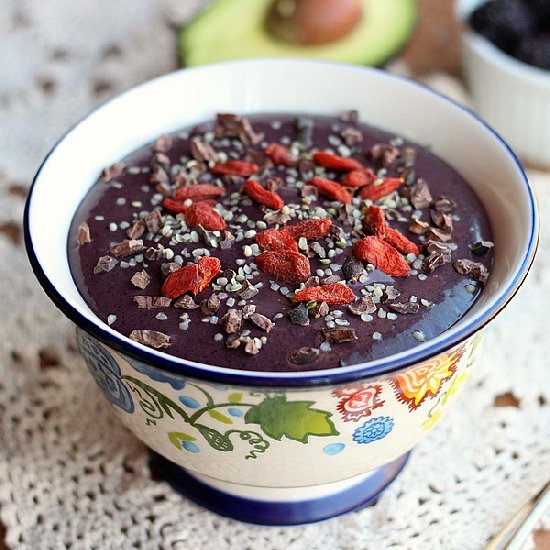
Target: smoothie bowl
{"type": "Point", "coordinates": [286, 267]}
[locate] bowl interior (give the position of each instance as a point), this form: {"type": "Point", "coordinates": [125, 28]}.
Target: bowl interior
{"type": "Point", "coordinates": [189, 96]}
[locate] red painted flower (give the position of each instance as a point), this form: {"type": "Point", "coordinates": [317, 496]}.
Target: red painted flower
{"type": "Point", "coordinates": [358, 401]}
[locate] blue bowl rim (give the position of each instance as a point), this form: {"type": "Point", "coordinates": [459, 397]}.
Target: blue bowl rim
{"type": "Point", "coordinates": [303, 379]}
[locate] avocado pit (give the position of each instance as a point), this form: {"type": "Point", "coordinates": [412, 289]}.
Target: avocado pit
{"type": "Point", "coordinates": [311, 22]}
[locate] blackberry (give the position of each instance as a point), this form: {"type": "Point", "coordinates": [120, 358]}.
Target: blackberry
{"type": "Point", "coordinates": [504, 22]}
{"type": "Point", "coordinates": [541, 9]}
{"type": "Point", "coordinates": [535, 50]}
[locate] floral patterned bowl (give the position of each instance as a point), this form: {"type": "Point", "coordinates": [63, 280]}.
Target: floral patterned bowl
{"type": "Point", "coordinates": [280, 448]}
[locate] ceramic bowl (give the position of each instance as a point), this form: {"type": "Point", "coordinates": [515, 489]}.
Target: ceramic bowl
{"type": "Point", "coordinates": [510, 95]}
{"type": "Point", "coordinates": [280, 448]}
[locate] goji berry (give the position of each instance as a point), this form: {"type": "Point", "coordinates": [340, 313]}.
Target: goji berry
{"type": "Point", "coordinates": [179, 206]}
{"type": "Point", "coordinates": [201, 213]}
{"type": "Point", "coordinates": [262, 196]}
{"type": "Point", "coordinates": [382, 255]}
{"type": "Point", "coordinates": [374, 221]}
{"type": "Point", "coordinates": [358, 178]}
{"type": "Point", "coordinates": [311, 229]}
{"type": "Point", "coordinates": [209, 267]}
{"type": "Point", "coordinates": [331, 189]}
{"type": "Point", "coordinates": [200, 191]}
{"type": "Point", "coordinates": [380, 188]}
{"type": "Point", "coordinates": [174, 205]}
{"type": "Point", "coordinates": [234, 168]}
{"type": "Point", "coordinates": [275, 239]}
{"type": "Point", "coordinates": [336, 162]}
{"type": "Point", "coordinates": [399, 241]}
{"type": "Point", "coordinates": [191, 278]}
{"type": "Point", "coordinates": [288, 267]}
{"type": "Point", "coordinates": [280, 154]}
{"type": "Point", "coordinates": [336, 293]}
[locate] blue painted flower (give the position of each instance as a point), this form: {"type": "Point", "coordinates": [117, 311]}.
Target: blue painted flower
{"type": "Point", "coordinates": [105, 371]}
{"type": "Point", "coordinates": [177, 382]}
{"type": "Point", "coordinates": [374, 429]}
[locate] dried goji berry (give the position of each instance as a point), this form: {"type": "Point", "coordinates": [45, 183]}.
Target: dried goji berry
{"type": "Point", "coordinates": [311, 229]}
{"type": "Point", "coordinates": [288, 267]}
{"type": "Point", "coordinates": [336, 293]}
{"type": "Point", "coordinates": [174, 205]}
{"type": "Point", "coordinates": [358, 178]}
{"type": "Point", "coordinates": [234, 168]}
{"type": "Point", "coordinates": [382, 255]}
{"type": "Point", "coordinates": [380, 188]}
{"type": "Point", "coordinates": [209, 267]}
{"type": "Point", "coordinates": [201, 213]}
{"type": "Point", "coordinates": [275, 239]}
{"type": "Point", "coordinates": [336, 162]}
{"type": "Point", "coordinates": [399, 241]}
{"type": "Point", "coordinates": [374, 221]}
{"type": "Point", "coordinates": [179, 206]}
{"type": "Point", "coordinates": [200, 191]}
{"type": "Point", "coordinates": [262, 196]}
{"type": "Point", "coordinates": [280, 154]}
{"type": "Point", "coordinates": [191, 278]}
{"type": "Point", "coordinates": [331, 189]}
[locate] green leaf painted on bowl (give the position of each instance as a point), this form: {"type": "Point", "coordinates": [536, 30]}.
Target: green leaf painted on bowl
{"type": "Point", "coordinates": [177, 437]}
{"type": "Point", "coordinates": [217, 415]}
{"type": "Point", "coordinates": [215, 439]}
{"type": "Point", "coordinates": [235, 397]}
{"type": "Point", "coordinates": [295, 419]}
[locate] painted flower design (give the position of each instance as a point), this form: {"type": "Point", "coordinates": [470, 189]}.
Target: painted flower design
{"type": "Point", "coordinates": [415, 385]}
{"type": "Point", "coordinates": [358, 401]}
{"type": "Point", "coordinates": [177, 382]}
{"type": "Point", "coordinates": [374, 429]}
{"type": "Point", "coordinates": [105, 371]}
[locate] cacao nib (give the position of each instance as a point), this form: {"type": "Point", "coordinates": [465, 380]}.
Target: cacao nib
{"type": "Point", "coordinates": [105, 264]}
{"type": "Point", "coordinates": [210, 305]}
{"type": "Point", "coordinates": [480, 248]}
{"type": "Point", "coordinates": [83, 234]}
{"type": "Point", "coordinates": [303, 356]}
{"type": "Point", "coordinates": [405, 307]}
{"type": "Point", "coordinates": [126, 247]}
{"type": "Point", "coordinates": [231, 321]}
{"type": "Point", "coordinates": [141, 279]}
{"type": "Point", "coordinates": [202, 151]}
{"type": "Point", "coordinates": [136, 230]}
{"type": "Point", "coordinates": [364, 305]}
{"type": "Point", "coordinates": [261, 321]}
{"type": "Point", "coordinates": [152, 338]}
{"type": "Point", "coordinates": [383, 154]}
{"type": "Point", "coordinates": [163, 144]}
{"type": "Point", "coordinates": [152, 302]}
{"type": "Point", "coordinates": [252, 347]}
{"type": "Point", "coordinates": [186, 302]}
{"type": "Point", "coordinates": [338, 335]}
{"type": "Point", "coordinates": [299, 315]}
{"type": "Point", "coordinates": [352, 269]}
{"type": "Point", "coordinates": [420, 195]}
{"type": "Point", "coordinates": [475, 270]}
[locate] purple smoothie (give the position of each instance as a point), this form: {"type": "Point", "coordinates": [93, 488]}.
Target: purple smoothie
{"type": "Point", "coordinates": [440, 294]}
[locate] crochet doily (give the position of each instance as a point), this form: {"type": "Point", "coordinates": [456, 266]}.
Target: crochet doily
{"type": "Point", "coordinates": [71, 476]}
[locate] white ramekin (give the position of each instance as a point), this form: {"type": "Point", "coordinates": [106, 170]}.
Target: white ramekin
{"type": "Point", "coordinates": [510, 95]}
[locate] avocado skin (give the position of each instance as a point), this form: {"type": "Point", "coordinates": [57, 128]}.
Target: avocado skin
{"type": "Point", "coordinates": [212, 36]}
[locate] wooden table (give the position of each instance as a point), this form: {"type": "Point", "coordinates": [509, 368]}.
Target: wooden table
{"type": "Point", "coordinates": [435, 46]}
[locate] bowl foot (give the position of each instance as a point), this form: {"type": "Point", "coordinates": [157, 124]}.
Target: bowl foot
{"type": "Point", "coordinates": [273, 506]}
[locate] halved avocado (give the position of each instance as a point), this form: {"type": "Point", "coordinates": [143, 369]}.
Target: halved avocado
{"type": "Point", "coordinates": [232, 29]}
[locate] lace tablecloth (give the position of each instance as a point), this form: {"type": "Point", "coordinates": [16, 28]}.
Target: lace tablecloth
{"type": "Point", "coordinates": [72, 477]}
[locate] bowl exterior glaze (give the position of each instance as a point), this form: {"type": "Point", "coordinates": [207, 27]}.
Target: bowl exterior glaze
{"type": "Point", "coordinates": [268, 437]}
